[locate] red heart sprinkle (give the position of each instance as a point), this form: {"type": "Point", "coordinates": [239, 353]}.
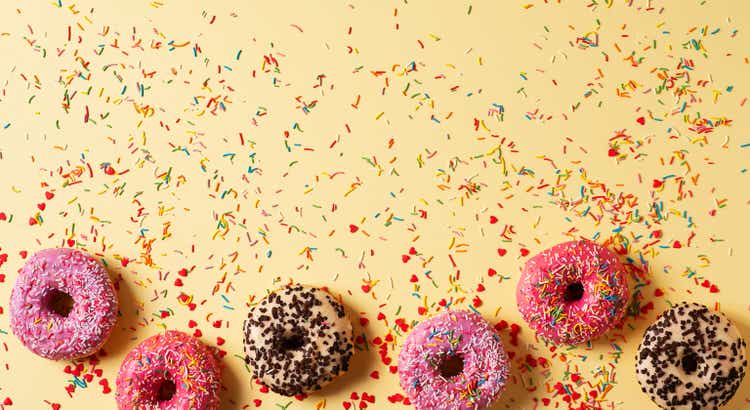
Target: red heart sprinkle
{"type": "Point", "coordinates": [353, 228]}
{"type": "Point", "coordinates": [405, 258]}
{"type": "Point", "coordinates": [658, 292]}
{"type": "Point", "coordinates": [501, 251]}
{"type": "Point", "coordinates": [501, 325]}
{"type": "Point", "coordinates": [412, 251]}
{"type": "Point", "coordinates": [491, 272]}
{"type": "Point", "coordinates": [396, 398]}
{"type": "Point", "coordinates": [493, 219]}
{"type": "Point", "coordinates": [49, 195]}
{"type": "Point", "coordinates": [476, 301]}
{"type": "Point", "coordinates": [641, 120]}
{"type": "Point", "coordinates": [41, 206]}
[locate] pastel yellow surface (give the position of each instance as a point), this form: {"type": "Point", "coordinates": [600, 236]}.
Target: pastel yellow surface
{"type": "Point", "coordinates": [376, 143]}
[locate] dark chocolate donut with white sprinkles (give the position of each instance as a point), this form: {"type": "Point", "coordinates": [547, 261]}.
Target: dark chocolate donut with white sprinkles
{"type": "Point", "coordinates": [298, 339]}
{"type": "Point", "coordinates": [691, 359]}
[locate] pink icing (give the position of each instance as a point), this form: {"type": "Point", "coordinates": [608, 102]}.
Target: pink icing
{"type": "Point", "coordinates": [94, 313]}
{"type": "Point", "coordinates": [454, 333]}
{"type": "Point", "coordinates": [542, 288]}
{"type": "Point", "coordinates": [174, 357]}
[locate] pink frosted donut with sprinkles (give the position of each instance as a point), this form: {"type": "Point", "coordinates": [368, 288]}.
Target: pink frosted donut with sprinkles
{"type": "Point", "coordinates": [573, 292]}
{"type": "Point", "coordinates": [63, 305]}
{"type": "Point", "coordinates": [170, 371]}
{"type": "Point", "coordinates": [453, 361]}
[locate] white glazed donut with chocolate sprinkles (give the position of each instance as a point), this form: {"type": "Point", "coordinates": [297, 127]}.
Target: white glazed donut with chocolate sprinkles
{"type": "Point", "coordinates": [298, 339]}
{"type": "Point", "coordinates": [691, 359]}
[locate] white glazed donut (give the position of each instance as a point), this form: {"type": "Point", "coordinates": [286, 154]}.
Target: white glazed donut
{"type": "Point", "coordinates": [691, 359]}
{"type": "Point", "coordinates": [298, 339]}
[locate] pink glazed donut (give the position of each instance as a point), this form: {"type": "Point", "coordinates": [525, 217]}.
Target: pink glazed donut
{"type": "Point", "coordinates": [573, 292]}
{"type": "Point", "coordinates": [170, 371]}
{"type": "Point", "coordinates": [63, 305]}
{"type": "Point", "coordinates": [453, 361]}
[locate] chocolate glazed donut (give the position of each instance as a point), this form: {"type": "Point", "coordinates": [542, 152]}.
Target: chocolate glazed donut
{"type": "Point", "coordinates": [298, 339]}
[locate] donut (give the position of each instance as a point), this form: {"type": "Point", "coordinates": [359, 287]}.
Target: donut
{"type": "Point", "coordinates": [169, 371]}
{"type": "Point", "coordinates": [572, 292]}
{"type": "Point", "coordinates": [453, 361]}
{"type": "Point", "coordinates": [63, 305]}
{"type": "Point", "coordinates": [691, 359]}
{"type": "Point", "coordinates": [298, 339]}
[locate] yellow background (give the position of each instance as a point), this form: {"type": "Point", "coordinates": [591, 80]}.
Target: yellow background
{"type": "Point", "coordinates": [181, 194]}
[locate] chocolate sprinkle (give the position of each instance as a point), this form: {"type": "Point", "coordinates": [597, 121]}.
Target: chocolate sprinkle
{"type": "Point", "coordinates": [691, 359]}
{"type": "Point", "coordinates": [297, 340]}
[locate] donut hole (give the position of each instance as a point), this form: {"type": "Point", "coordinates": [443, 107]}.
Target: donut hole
{"type": "Point", "coordinates": [451, 366]}
{"type": "Point", "coordinates": [59, 302]}
{"type": "Point", "coordinates": [689, 362]}
{"type": "Point", "coordinates": [165, 391]}
{"type": "Point", "coordinates": [573, 292]}
{"type": "Point", "coordinates": [291, 341]}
